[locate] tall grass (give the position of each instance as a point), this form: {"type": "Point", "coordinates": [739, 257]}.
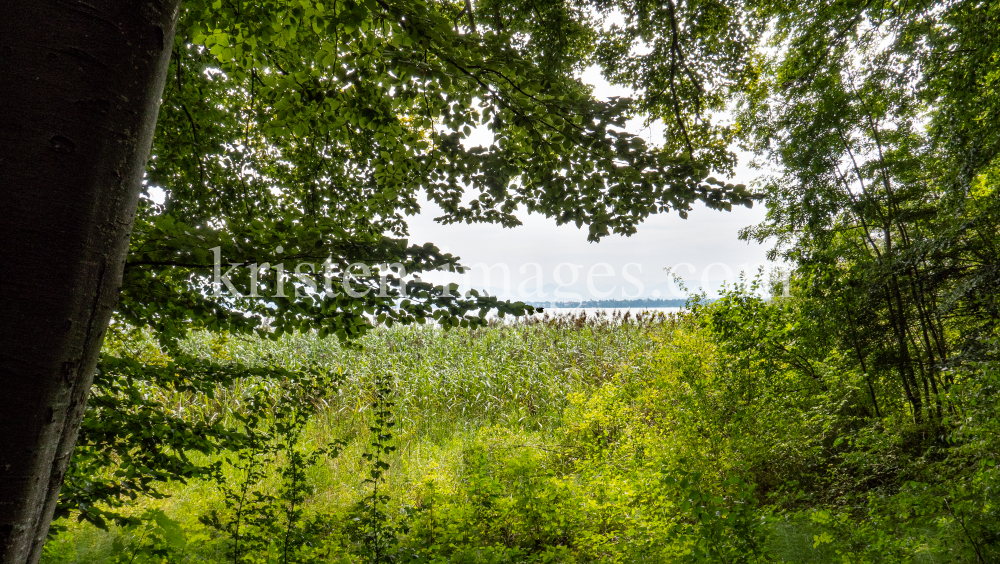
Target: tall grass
{"type": "Point", "coordinates": [514, 373]}
{"type": "Point", "coordinates": [566, 439]}
{"type": "Point", "coordinates": [449, 384]}
{"type": "Point", "coordinates": [449, 387]}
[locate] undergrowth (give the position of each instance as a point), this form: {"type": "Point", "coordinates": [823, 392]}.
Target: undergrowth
{"type": "Point", "coordinates": [566, 439]}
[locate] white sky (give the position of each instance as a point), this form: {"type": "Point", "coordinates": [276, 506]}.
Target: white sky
{"type": "Point", "coordinates": [664, 240]}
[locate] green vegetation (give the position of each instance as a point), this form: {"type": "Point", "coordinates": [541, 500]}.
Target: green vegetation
{"type": "Point", "coordinates": [653, 439]}
{"type": "Point", "coordinates": [855, 421]}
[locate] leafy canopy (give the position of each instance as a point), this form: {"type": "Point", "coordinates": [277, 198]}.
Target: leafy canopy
{"type": "Point", "coordinates": [305, 131]}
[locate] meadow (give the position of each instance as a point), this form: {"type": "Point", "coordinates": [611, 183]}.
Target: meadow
{"type": "Point", "coordinates": [556, 439]}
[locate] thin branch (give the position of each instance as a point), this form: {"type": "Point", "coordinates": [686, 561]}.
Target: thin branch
{"type": "Point", "coordinates": [674, 50]}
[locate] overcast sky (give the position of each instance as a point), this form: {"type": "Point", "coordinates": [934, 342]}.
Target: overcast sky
{"type": "Point", "coordinates": [690, 246]}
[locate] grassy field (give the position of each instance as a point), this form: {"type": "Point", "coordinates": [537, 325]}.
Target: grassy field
{"type": "Point", "coordinates": [568, 439]}
{"type": "Point", "coordinates": [505, 389]}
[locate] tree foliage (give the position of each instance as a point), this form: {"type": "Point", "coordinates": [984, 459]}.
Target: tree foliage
{"type": "Point", "coordinates": [306, 132]}
{"type": "Point", "coordinates": [293, 140]}
{"type": "Point", "coordinates": [886, 198]}
{"type": "Point", "coordinates": [315, 129]}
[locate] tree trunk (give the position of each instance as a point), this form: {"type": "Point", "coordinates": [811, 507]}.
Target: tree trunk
{"type": "Point", "coordinates": [80, 85]}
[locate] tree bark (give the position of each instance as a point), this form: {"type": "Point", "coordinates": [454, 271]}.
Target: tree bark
{"type": "Point", "coordinates": [80, 86]}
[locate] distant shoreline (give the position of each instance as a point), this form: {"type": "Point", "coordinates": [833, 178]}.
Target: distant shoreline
{"type": "Point", "coordinates": [610, 304]}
